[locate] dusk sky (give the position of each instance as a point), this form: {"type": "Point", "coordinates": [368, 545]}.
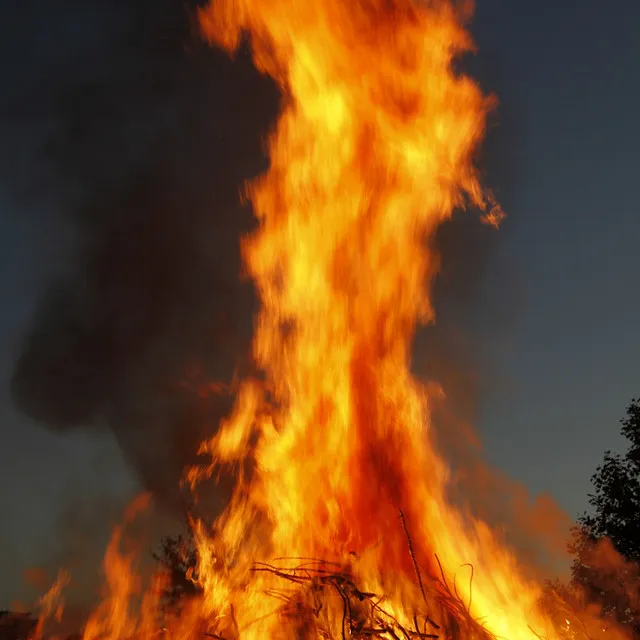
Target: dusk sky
{"type": "Point", "coordinates": [555, 311]}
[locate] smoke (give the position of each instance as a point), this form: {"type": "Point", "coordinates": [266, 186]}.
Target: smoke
{"type": "Point", "coordinates": [126, 130]}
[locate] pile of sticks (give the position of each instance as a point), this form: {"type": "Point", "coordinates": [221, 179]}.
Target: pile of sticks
{"type": "Point", "coordinates": [364, 615]}
{"type": "Point", "coordinates": [321, 599]}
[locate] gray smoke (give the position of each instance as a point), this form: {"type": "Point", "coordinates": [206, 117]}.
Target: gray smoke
{"type": "Point", "coordinates": [138, 137]}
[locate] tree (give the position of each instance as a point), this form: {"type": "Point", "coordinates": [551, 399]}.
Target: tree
{"type": "Point", "coordinates": [606, 540]}
{"type": "Point", "coordinates": [178, 557]}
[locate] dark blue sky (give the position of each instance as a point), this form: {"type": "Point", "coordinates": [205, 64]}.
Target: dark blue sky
{"type": "Point", "coordinates": [560, 287]}
{"type": "Point", "coordinates": [570, 364]}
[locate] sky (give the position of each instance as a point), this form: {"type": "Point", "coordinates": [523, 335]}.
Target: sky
{"type": "Point", "coordinates": [571, 363]}
{"type": "Point", "coordinates": [554, 309]}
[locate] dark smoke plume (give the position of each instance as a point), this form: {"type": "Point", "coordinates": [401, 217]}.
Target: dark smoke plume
{"type": "Point", "coordinates": [138, 137]}
{"type": "Point", "coordinates": [139, 140]}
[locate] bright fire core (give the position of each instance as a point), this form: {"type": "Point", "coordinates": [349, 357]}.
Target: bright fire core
{"type": "Point", "coordinates": [332, 451]}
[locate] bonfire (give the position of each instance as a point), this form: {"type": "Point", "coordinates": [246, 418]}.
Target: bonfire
{"type": "Point", "coordinates": [339, 525]}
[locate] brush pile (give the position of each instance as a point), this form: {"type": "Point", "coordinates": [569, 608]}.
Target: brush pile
{"type": "Point", "coordinates": [322, 599]}
{"type": "Point", "coordinates": [312, 590]}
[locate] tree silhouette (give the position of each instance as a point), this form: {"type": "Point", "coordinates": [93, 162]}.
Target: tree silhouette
{"type": "Point", "coordinates": [607, 578]}
{"type": "Point", "coordinates": [178, 557]}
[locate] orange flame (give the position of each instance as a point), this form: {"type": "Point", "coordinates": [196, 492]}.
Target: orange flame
{"type": "Point", "coordinates": [51, 605]}
{"type": "Point", "coordinates": [372, 152]}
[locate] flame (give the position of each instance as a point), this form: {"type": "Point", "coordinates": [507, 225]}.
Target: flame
{"type": "Point", "coordinates": [117, 616]}
{"type": "Point", "coordinates": [333, 455]}
{"type": "Point", "coordinates": [372, 152]}
{"type": "Point", "coordinates": [51, 604]}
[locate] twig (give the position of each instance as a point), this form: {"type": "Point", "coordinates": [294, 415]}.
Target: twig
{"type": "Point", "coordinates": [344, 610]}
{"type": "Point", "coordinates": [377, 607]}
{"type": "Point", "coordinates": [413, 556]}
{"type": "Point", "coordinates": [444, 579]}
{"type": "Point", "coordinates": [535, 633]}
{"type": "Point", "coordinates": [455, 588]}
{"type": "Point", "coordinates": [468, 564]}
{"type": "Point", "coordinates": [432, 623]}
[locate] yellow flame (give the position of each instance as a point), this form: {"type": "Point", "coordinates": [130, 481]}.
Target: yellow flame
{"type": "Point", "coordinates": [372, 151]}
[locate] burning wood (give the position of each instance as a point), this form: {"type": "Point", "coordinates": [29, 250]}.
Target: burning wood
{"type": "Point", "coordinates": [320, 584]}
{"type": "Point", "coordinates": [363, 613]}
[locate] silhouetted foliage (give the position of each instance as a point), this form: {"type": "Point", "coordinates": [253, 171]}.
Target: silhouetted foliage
{"type": "Point", "coordinates": [607, 579]}
{"type": "Point", "coordinates": [178, 556]}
